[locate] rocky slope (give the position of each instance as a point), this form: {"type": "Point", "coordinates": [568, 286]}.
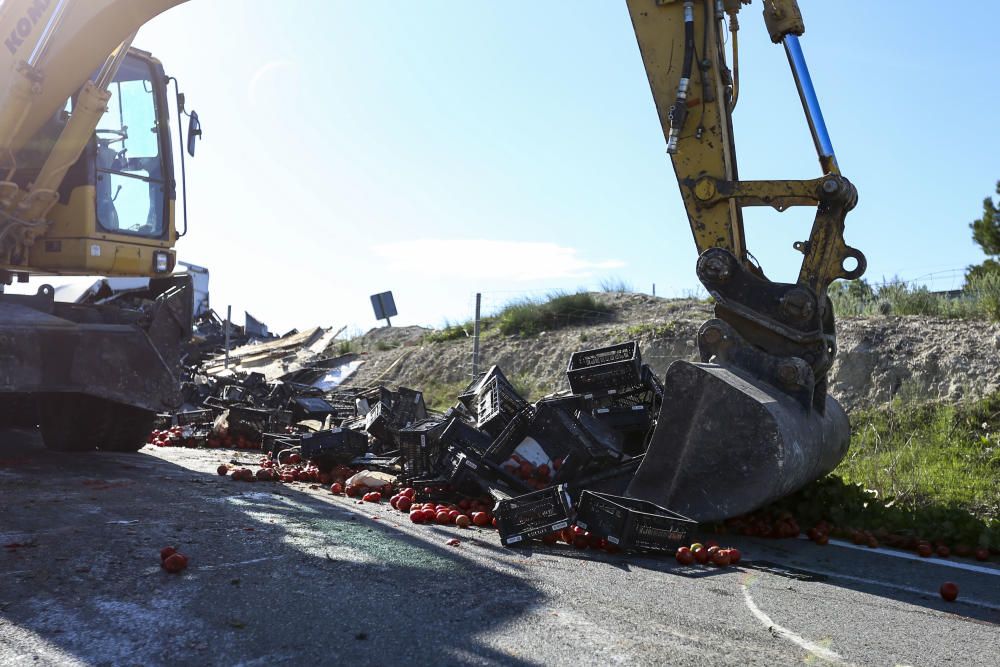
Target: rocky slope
{"type": "Point", "coordinates": [880, 358]}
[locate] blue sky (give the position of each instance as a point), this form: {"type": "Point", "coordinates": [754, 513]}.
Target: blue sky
{"type": "Point", "coordinates": [442, 148]}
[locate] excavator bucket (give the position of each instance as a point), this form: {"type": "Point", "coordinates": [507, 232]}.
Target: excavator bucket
{"type": "Point", "coordinates": [727, 443]}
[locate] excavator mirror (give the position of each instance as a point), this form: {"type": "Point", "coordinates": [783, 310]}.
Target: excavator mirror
{"type": "Point", "coordinates": [194, 131]}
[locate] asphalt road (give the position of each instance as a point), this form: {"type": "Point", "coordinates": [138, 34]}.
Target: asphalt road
{"type": "Point", "coordinates": [285, 574]}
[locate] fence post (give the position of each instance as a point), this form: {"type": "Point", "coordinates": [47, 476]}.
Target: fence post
{"type": "Point", "coordinates": [475, 337]}
{"type": "Point", "coordinates": [229, 324]}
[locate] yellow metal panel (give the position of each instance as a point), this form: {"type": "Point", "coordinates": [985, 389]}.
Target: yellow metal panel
{"type": "Point", "coordinates": [75, 246]}
{"type": "Point", "coordinates": [705, 147]}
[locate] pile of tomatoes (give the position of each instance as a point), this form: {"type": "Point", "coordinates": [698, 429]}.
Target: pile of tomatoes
{"type": "Point", "coordinates": [536, 476]}
{"type": "Point", "coordinates": [709, 553]}
{"type": "Point", "coordinates": [185, 436]}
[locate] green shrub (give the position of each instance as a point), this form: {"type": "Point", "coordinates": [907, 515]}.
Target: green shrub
{"type": "Point", "coordinates": [986, 290]}
{"type": "Point", "coordinates": [616, 286]}
{"type": "Point", "coordinates": [450, 332]}
{"type": "Point", "coordinates": [527, 317]}
{"type": "Point", "coordinates": [652, 330]}
{"type": "Point", "coordinates": [980, 299]}
{"type": "Point", "coordinates": [929, 454]}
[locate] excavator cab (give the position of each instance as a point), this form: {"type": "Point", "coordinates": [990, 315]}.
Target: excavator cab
{"type": "Point", "coordinates": [115, 214]}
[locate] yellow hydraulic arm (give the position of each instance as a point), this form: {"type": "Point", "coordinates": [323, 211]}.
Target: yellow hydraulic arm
{"type": "Point", "coordinates": [683, 48]}
{"type": "Point", "coordinates": [50, 50]}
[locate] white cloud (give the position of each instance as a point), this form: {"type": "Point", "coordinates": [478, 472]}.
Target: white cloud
{"type": "Point", "coordinates": [484, 259]}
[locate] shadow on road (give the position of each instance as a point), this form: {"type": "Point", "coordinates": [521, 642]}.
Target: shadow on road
{"type": "Point", "coordinates": [276, 575]}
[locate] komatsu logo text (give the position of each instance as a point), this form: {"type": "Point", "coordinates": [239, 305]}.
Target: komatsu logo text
{"type": "Point", "coordinates": [25, 25]}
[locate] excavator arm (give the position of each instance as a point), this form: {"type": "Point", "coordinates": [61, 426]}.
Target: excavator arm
{"type": "Point", "coordinates": [49, 48]}
{"type": "Point", "coordinates": [754, 413]}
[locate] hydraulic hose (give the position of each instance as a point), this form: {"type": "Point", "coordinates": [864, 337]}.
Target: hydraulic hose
{"type": "Point", "coordinates": [679, 111]}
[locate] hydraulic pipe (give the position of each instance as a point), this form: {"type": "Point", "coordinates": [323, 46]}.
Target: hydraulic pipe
{"type": "Point", "coordinates": [810, 104]}
{"type": "Point", "coordinates": [51, 26]}
{"type": "Point", "coordinates": [678, 112]}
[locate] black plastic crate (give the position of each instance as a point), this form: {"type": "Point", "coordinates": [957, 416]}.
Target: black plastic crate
{"type": "Point", "coordinates": [571, 403]}
{"type": "Point", "coordinates": [631, 523]}
{"type": "Point", "coordinates": [533, 515]}
{"type": "Point", "coordinates": [408, 408]}
{"type": "Point", "coordinates": [613, 367]}
{"type": "Point", "coordinates": [624, 417]}
{"type": "Point", "coordinates": [340, 445]}
{"type": "Point", "coordinates": [652, 382]}
{"type": "Point", "coordinates": [248, 422]}
{"type": "Point", "coordinates": [214, 403]}
{"type": "Point", "coordinates": [344, 404]}
{"type": "Point", "coordinates": [195, 417]}
{"type": "Point", "coordinates": [233, 393]}
{"type": "Point", "coordinates": [510, 438]}
{"type": "Point", "coordinates": [378, 422]}
{"type": "Point", "coordinates": [496, 404]}
{"type": "Point", "coordinates": [419, 446]}
{"type": "Point", "coordinates": [310, 407]}
{"type": "Point", "coordinates": [280, 419]}
{"type": "Point", "coordinates": [559, 434]}
{"type": "Point", "coordinates": [272, 443]}
{"type": "Point", "coordinates": [471, 475]}
{"type": "Point", "coordinates": [612, 480]}
{"type": "Point", "coordinates": [468, 395]}
{"type": "Point", "coordinates": [465, 437]}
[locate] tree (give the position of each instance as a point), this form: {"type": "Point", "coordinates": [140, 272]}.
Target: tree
{"type": "Point", "coordinates": [986, 232]}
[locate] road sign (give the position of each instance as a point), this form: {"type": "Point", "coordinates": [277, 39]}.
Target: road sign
{"type": "Point", "coordinates": [384, 306]}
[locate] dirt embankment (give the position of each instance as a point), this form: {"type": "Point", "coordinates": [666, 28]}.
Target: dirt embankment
{"type": "Point", "coordinates": [879, 359]}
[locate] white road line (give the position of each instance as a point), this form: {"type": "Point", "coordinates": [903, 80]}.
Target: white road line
{"type": "Point", "coordinates": [819, 651]}
{"type": "Point", "coordinates": [242, 562]}
{"type": "Point", "coordinates": [894, 553]}
{"type": "Point", "coordinates": [908, 589]}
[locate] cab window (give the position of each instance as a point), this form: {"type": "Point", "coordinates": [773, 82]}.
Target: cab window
{"type": "Point", "coordinates": [129, 169]}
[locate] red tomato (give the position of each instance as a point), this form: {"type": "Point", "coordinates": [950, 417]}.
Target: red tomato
{"type": "Point", "coordinates": [721, 557]}
{"type": "Point", "coordinates": [336, 488]}
{"type": "Point", "coordinates": [429, 514]}
{"type": "Point", "coordinates": [404, 503]}
{"type": "Point", "coordinates": [924, 550]}
{"type": "Point", "coordinates": [735, 555]}
{"type": "Point", "coordinates": [481, 519]}
{"type": "Point", "coordinates": [463, 521]}
{"type": "Point", "coordinates": [452, 515]}
{"type": "Point", "coordinates": [550, 539]}
{"type": "Point", "coordinates": [943, 551]}
{"type": "Point", "coordinates": [417, 516]}
{"type": "Point", "coordinates": [174, 563]}
{"type": "Point", "coordinates": [167, 552]}
{"type": "Point", "coordinates": [982, 554]}
{"type": "Point", "coordinates": [443, 517]}
{"type": "Point", "coordinates": [700, 555]}
{"type": "Point", "coordinates": [409, 492]}
{"type": "Point", "coordinates": [223, 470]}
{"type": "Point", "coordinates": [949, 591]}
{"type": "Point", "coordinates": [684, 556]}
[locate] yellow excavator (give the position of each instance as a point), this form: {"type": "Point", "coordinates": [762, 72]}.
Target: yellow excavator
{"type": "Point", "coordinates": [87, 187]}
